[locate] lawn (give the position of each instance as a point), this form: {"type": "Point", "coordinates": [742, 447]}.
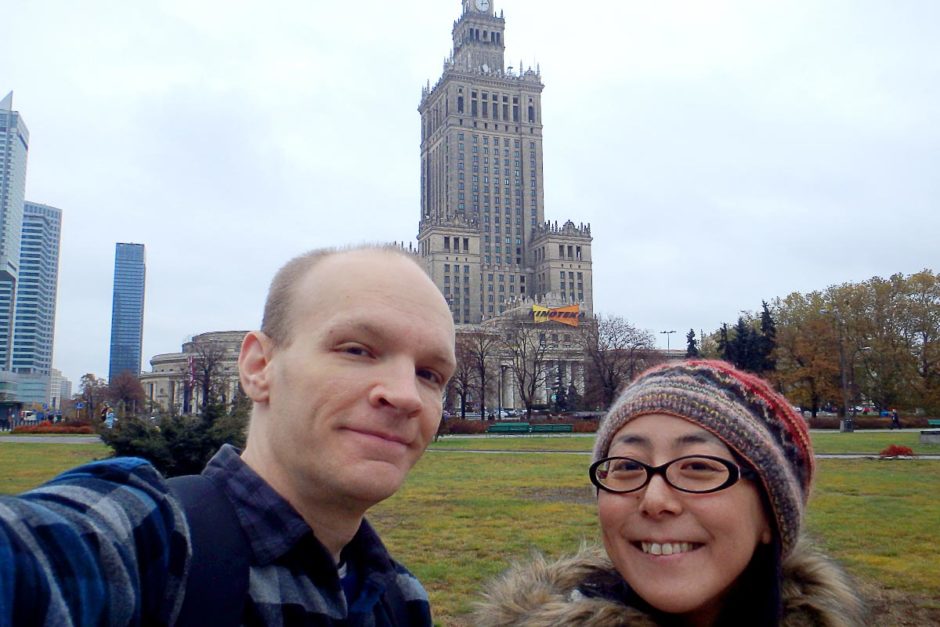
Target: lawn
{"type": "Point", "coordinates": [463, 516]}
{"type": "Point", "coordinates": [862, 442]}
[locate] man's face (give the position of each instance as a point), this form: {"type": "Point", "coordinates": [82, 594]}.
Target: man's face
{"type": "Point", "coordinates": [354, 395]}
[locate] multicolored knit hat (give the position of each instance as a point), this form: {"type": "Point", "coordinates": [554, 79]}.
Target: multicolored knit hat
{"type": "Point", "coordinates": [742, 410]}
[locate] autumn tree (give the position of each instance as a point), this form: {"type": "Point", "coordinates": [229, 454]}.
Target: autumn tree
{"type": "Point", "coordinates": [615, 353]}
{"type": "Point", "coordinates": [94, 392]}
{"type": "Point", "coordinates": [125, 391]}
{"type": "Point", "coordinates": [807, 361]}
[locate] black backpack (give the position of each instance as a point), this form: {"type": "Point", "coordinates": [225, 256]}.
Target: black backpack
{"type": "Point", "coordinates": [217, 585]}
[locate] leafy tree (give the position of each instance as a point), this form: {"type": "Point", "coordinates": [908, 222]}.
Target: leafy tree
{"type": "Point", "coordinates": [691, 346]}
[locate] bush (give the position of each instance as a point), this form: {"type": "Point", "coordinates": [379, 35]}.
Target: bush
{"type": "Point", "coordinates": [456, 426]}
{"type": "Point", "coordinates": [46, 427]}
{"type": "Point", "coordinates": [180, 445]}
{"type": "Point", "coordinates": [897, 451]}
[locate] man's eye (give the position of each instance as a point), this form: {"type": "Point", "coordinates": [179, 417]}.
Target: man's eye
{"type": "Point", "coordinates": [356, 350]}
{"type": "Point", "coordinates": [430, 375]}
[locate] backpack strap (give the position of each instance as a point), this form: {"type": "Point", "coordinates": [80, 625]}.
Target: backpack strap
{"type": "Point", "coordinates": [217, 585]}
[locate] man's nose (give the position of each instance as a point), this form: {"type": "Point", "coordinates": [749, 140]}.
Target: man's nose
{"type": "Point", "coordinates": [397, 387]}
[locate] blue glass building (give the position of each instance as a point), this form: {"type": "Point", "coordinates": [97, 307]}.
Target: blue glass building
{"type": "Point", "coordinates": [127, 309]}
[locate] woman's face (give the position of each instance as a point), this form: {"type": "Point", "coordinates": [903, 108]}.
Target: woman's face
{"type": "Point", "coordinates": [680, 552]}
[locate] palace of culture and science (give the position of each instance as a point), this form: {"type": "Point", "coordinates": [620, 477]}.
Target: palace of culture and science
{"type": "Point", "coordinates": [482, 232]}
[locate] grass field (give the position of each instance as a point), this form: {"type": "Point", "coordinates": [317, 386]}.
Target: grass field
{"type": "Point", "coordinates": [463, 516]}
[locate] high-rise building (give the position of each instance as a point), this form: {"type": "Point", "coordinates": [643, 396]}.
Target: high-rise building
{"type": "Point", "coordinates": [127, 309]}
{"type": "Point", "coordinates": [482, 232]}
{"type": "Point", "coordinates": [34, 327]}
{"type": "Point", "coordinates": [14, 147]}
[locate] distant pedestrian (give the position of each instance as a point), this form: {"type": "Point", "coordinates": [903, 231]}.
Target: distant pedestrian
{"type": "Point", "coordinates": [895, 419]}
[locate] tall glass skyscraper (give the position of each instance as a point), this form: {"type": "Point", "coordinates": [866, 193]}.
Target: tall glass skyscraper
{"type": "Point", "coordinates": [127, 309]}
{"type": "Point", "coordinates": [34, 328]}
{"type": "Point", "coordinates": [14, 146]}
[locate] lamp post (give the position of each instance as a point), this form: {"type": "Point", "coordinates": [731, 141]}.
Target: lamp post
{"type": "Point", "coordinates": [846, 425]}
{"type": "Point", "coordinates": [667, 334]}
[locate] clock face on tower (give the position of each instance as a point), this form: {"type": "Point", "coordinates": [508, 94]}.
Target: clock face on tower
{"type": "Point", "coordinates": [483, 5]}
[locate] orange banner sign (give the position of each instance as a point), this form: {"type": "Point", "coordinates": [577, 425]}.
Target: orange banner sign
{"type": "Point", "coordinates": [565, 315]}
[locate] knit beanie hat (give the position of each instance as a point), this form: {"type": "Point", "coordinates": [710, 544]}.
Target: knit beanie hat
{"type": "Point", "coordinates": [744, 412]}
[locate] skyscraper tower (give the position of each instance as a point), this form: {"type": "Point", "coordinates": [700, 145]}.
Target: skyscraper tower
{"type": "Point", "coordinates": [482, 231]}
{"type": "Point", "coordinates": [14, 146]}
{"type": "Point", "coordinates": [127, 309]}
{"type": "Point", "coordinates": [34, 329]}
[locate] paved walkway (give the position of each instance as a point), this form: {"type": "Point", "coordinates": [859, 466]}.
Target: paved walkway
{"type": "Point", "coordinates": [52, 439]}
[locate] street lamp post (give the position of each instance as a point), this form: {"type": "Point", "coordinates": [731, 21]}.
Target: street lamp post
{"type": "Point", "coordinates": [846, 425]}
{"type": "Point", "coordinates": [667, 334]}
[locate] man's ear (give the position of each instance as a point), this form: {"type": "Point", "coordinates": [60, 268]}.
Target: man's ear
{"type": "Point", "coordinates": [253, 361]}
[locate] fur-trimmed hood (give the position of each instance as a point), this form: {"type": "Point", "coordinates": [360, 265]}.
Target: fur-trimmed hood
{"type": "Point", "coordinates": [815, 591]}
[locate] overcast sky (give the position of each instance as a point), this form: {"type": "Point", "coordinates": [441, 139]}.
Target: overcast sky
{"type": "Point", "coordinates": [724, 152]}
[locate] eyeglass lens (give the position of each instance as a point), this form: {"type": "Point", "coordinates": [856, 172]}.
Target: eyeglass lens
{"type": "Point", "coordinates": [690, 474]}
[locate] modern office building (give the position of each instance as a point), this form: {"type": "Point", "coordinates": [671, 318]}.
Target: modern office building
{"type": "Point", "coordinates": [34, 327]}
{"type": "Point", "coordinates": [14, 147]}
{"type": "Point", "coordinates": [482, 231]}
{"type": "Point", "coordinates": [60, 389]}
{"type": "Point", "coordinates": [127, 309]}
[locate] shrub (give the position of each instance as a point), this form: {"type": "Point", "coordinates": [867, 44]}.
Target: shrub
{"type": "Point", "coordinates": [456, 426]}
{"type": "Point", "coordinates": [897, 451]}
{"type": "Point", "coordinates": [46, 427]}
{"type": "Point", "coordinates": [585, 426]}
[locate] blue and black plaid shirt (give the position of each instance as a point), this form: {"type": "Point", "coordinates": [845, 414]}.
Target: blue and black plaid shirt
{"type": "Point", "coordinates": [104, 544]}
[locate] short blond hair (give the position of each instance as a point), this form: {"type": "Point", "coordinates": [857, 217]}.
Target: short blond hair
{"type": "Point", "coordinates": [276, 321]}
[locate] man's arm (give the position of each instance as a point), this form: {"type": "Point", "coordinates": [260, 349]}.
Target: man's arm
{"type": "Point", "coordinates": [102, 544]}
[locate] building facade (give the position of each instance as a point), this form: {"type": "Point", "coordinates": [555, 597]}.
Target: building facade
{"type": "Point", "coordinates": [14, 148]}
{"type": "Point", "coordinates": [173, 385]}
{"type": "Point", "coordinates": [34, 327]}
{"type": "Point", "coordinates": [127, 309]}
{"type": "Point", "coordinates": [482, 230]}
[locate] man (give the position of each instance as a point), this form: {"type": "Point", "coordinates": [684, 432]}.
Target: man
{"type": "Point", "coordinates": [346, 379]}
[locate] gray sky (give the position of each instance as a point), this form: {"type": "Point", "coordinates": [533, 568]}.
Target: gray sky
{"type": "Point", "coordinates": [724, 152]}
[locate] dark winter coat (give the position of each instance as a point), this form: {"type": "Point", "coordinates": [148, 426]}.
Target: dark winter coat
{"type": "Point", "coordinates": [815, 592]}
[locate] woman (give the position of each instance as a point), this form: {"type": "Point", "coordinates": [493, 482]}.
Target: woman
{"type": "Point", "coordinates": [703, 473]}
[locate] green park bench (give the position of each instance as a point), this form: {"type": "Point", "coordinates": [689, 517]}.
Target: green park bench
{"type": "Point", "coordinates": [555, 428]}
{"type": "Point", "coordinates": [933, 422]}
{"type": "Point", "coordinates": [508, 427]}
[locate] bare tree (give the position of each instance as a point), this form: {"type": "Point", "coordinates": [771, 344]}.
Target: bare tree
{"type": "Point", "coordinates": [526, 348]}
{"type": "Point", "coordinates": [464, 379]}
{"type": "Point", "coordinates": [207, 370]}
{"type": "Point", "coordinates": [481, 349]}
{"type": "Point", "coordinates": [615, 353]}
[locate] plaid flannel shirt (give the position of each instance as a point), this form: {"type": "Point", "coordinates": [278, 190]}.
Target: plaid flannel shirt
{"type": "Point", "coordinates": [104, 544]}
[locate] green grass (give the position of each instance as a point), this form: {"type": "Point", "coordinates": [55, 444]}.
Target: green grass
{"type": "Point", "coordinates": [24, 465]}
{"type": "Point", "coordinates": [861, 442]}
{"type": "Point", "coordinates": [461, 517]}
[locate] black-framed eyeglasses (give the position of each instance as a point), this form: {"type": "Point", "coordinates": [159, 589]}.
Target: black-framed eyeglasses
{"type": "Point", "coordinates": [698, 474]}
